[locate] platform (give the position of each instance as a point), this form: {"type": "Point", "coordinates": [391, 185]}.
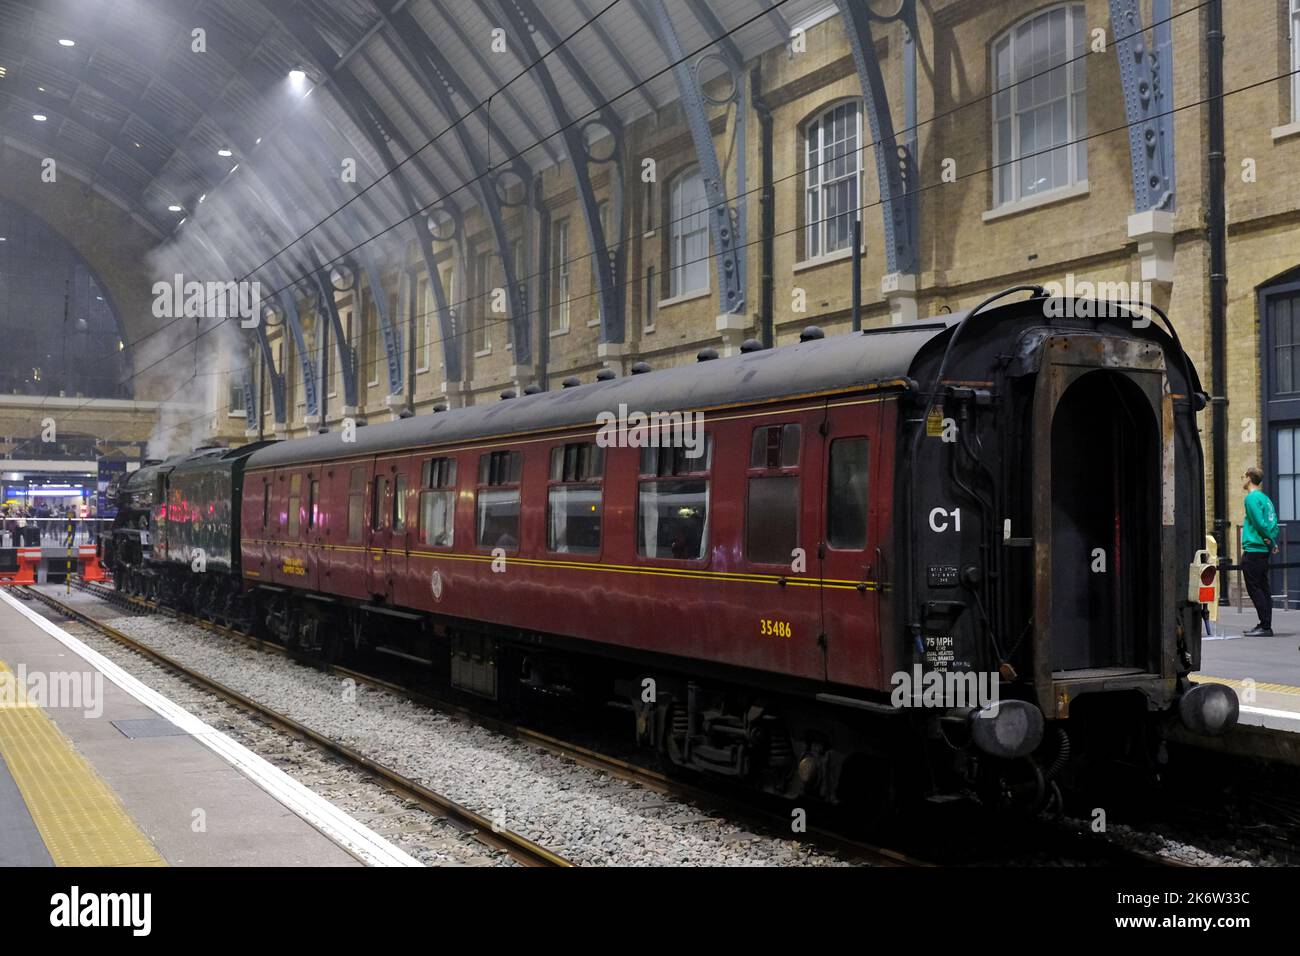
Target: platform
{"type": "Point", "coordinates": [1272, 663]}
{"type": "Point", "coordinates": [97, 769]}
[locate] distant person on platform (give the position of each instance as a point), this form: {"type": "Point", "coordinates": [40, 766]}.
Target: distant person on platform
{"type": "Point", "coordinates": [1258, 541]}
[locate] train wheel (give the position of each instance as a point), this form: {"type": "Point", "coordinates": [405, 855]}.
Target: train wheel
{"type": "Point", "coordinates": [1013, 785]}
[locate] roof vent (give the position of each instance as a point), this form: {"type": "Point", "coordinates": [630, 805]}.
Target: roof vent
{"type": "Point", "coordinates": [532, 389]}
{"type": "Point", "coordinates": [640, 368]}
{"type": "Point", "coordinates": [751, 345]}
{"type": "Point", "coordinates": [571, 382]}
{"type": "Point", "coordinates": [811, 334]}
{"type": "Point", "coordinates": [706, 355]}
{"type": "Point", "coordinates": [507, 394]}
{"type": "Point", "coordinates": [606, 374]}
{"type": "Point", "coordinates": [440, 407]}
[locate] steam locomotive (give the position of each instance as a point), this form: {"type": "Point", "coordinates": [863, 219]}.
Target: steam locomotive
{"type": "Point", "coordinates": [941, 554]}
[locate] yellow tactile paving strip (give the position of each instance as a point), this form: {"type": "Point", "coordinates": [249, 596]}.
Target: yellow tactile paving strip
{"type": "Point", "coordinates": [80, 819]}
{"type": "Point", "coordinates": [1234, 683]}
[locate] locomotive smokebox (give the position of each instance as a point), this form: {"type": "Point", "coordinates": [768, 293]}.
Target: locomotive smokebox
{"type": "Point", "coordinates": [1012, 728]}
{"type": "Point", "coordinates": [1209, 709]}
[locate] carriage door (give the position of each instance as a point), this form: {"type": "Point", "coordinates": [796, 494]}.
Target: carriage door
{"type": "Point", "coordinates": [315, 557]}
{"type": "Point", "coordinates": [381, 529]}
{"type": "Point", "coordinates": [256, 520]}
{"type": "Point", "coordinates": [849, 599]}
{"type": "Point", "coordinates": [402, 521]}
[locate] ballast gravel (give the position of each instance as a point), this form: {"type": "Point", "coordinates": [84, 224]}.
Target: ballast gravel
{"type": "Point", "coordinates": [584, 815]}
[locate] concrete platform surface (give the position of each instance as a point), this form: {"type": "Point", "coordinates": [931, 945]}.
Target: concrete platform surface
{"type": "Point", "coordinates": [1265, 671]}
{"type": "Point", "coordinates": [195, 803]}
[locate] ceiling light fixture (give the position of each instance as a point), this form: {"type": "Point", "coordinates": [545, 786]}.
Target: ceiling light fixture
{"type": "Point", "coordinates": [39, 117]}
{"type": "Point", "coordinates": [203, 197]}
{"type": "Point", "coordinates": [3, 71]}
{"type": "Point", "coordinates": [67, 43]}
{"type": "Point", "coordinates": [297, 77]}
{"type": "Point", "coordinates": [173, 208]}
{"type": "Point", "coordinates": [223, 152]}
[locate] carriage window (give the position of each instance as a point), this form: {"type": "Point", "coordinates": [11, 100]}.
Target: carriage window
{"type": "Point", "coordinates": [577, 461]}
{"type": "Point", "coordinates": [438, 501]}
{"type": "Point", "coordinates": [356, 503]}
{"type": "Point", "coordinates": [313, 501]}
{"type": "Point", "coordinates": [500, 467]}
{"type": "Point", "coordinates": [573, 501]}
{"type": "Point", "coordinates": [399, 503]}
{"type": "Point", "coordinates": [846, 498]}
{"type": "Point", "coordinates": [378, 515]}
{"type": "Point", "coordinates": [678, 460]}
{"type": "Point", "coordinates": [772, 513]}
{"type": "Point", "coordinates": [438, 473]}
{"type": "Point", "coordinates": [775, 446]}
{"type": "Point", "coordinates": [499, 473]}
{"type": "Point", "coordinates": [295, 502]}
{"type": "Point", "coordinates": [672, 515]}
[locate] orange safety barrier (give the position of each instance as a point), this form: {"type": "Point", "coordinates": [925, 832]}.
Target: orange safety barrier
{"type": "Point", "coordinates": [28, 560]}
{"type": "Point", "coordinates": [88, 566]}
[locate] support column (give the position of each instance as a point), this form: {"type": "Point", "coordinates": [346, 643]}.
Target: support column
{"type": "Point", "coordinates": [725, 222]}
{"type": "Point", "coordinates": [895, 162]}
{"type": "Point", "coordinates": [527, 24]}
{"type": "Point", "coordinates": [1146, 74]}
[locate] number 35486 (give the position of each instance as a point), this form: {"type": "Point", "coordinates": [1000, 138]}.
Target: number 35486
{"type": "Point", "coordinates": [767, 628]}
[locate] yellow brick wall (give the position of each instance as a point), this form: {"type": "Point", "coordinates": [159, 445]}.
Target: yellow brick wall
{"type": "Point", "coordinates": [964, 255]}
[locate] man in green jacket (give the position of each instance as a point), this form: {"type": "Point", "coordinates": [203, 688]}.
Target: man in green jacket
{"type": "Point", "coordinates": [1258, 540]}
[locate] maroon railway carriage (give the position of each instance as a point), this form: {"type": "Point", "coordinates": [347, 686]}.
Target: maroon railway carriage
{"type": "Point", "coordinates": [752, 591]}
{"type": "Point", "coordinates": [545, 529]}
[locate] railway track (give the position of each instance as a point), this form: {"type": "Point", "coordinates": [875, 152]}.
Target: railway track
{"type": "Point", "coordinates": [1099, 851]}
{"type": "Point", "coordinates": [517, 846]}
{"type": "Point", "coordinates": [583, 756]}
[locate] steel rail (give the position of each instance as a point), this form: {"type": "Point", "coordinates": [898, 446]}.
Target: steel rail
{"type": "Point", "coordinates": [591, 759]}
{"type": "Point", "coordinates": [519, 847]}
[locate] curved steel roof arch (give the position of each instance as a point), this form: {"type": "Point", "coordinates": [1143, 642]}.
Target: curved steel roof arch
{"type": "Point", "coordinates": [138, 116]}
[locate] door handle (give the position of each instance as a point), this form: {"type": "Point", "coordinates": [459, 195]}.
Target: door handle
{"type": "Point", "coordinates": [879, 567]}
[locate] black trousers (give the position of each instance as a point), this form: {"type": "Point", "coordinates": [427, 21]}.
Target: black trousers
{"type": "Point", "coordinates": [1254, 567]}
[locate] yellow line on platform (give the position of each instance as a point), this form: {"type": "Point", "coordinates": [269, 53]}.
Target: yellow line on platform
{"type": "Point", "coordinates": [80, 819]}
{"type": "Point", "coordinates": [1233, 682]}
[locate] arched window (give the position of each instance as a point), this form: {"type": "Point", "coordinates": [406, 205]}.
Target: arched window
{"type": "Point", "coordinates": [689, 235]}
{"type": "Point", "coordinates": [1039, 105]}
{"type": "Point", "coordinates": [832, 179]}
